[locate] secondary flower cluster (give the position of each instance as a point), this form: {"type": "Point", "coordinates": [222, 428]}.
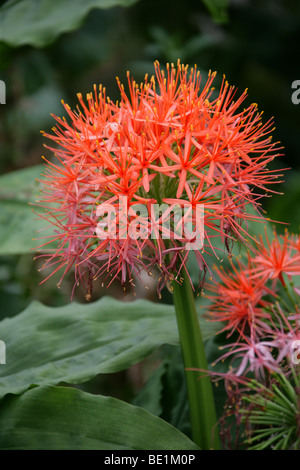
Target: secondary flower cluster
{"type": "Point", "coordinates": [170, 140]}
{"type": "Point", "coordinates": [259, 303]}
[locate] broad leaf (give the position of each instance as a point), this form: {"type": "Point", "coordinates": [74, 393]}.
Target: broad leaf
{"type": "Point", "coordinates": [46, 345]}
{"type": "Point", "coordinates": [39, 22]}
{"type": "Point", "coordinates": [65, 418]}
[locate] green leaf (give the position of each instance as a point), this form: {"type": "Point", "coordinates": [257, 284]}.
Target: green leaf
{"type": "Point", "coordinates": [18, 223]}
{"type": "Point", "coordinates": [21, 185]}
{"type": "Point", "coordinates": [65, 418]}
{"type": "Point", "coordinates": [165, 393]}
{"type": "Point", "coordinates": [40, 22]}
{"type": "Point", "coordinates": [287, 208]}
{"type": "Point", "coordinates": [46, 345]}
{"type": "Point", "coordinates": [150, 396]}
{"type": "Point", "coordinates": [176, 410]}
{"type": "Point", "coordinates": [217, 9]}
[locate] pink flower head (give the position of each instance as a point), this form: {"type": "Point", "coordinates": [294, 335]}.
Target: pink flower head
{"type": "Point", "coordinates": [284, 334]}
{"type": "Point", "coordinates": [251, 356]}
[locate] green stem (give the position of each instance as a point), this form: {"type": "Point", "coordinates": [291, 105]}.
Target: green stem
{"type": "Point", "coordinates": [200, 394]}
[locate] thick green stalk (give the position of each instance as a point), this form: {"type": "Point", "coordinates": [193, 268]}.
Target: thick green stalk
{"type": "Point", "coordinates": [200, 394]}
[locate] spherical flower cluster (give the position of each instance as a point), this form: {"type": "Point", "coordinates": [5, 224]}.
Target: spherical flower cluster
{"type": "Point", "coordinates": [259, 300]}
{"type": "Point", "coordinates": [170, 141]}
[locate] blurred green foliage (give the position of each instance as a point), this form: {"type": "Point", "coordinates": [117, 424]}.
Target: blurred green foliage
{"type": "Point", "coordinates": [40, 22]}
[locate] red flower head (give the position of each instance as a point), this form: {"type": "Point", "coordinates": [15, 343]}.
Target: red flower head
{"type": "Point", "coordinates": [278, 257]}
{"type": "Point", "coordinates": [239, 299]}
{"type": "Point", "coordinates": [169, 141]}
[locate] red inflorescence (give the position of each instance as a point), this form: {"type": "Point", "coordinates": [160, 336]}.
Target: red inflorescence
{"type": "Point", "coordinates": [170, 140]}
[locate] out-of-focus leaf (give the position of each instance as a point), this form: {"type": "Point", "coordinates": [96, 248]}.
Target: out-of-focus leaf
{"type": "Point", "coordinates": [150, 396]}
{"type": "Point", "coordinates": [286, 207]}
{"type": "Point", "coordinates": [18, 223]}
{"type": "Point", "coordinates": [64, 418]}
{"type": "Point", "coordinates": [165, 392]}
{"type": "Point", "coordinates": [175, 403]}
{"type": "Point", "coordinates": [40, 22]}
{"type": "Point", "coordinates": [74, 343]}
{"type": "Point", "coordinates": [217, 9]}
{"type": "Point", "coordinates": [20, 185]}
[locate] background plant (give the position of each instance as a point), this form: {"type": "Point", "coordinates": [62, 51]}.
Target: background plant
{"type": "Point", "coordinates": [258, 303]}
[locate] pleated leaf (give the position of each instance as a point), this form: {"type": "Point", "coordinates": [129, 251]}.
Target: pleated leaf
{"type": "Point", "coordinates": [74, 343]}
{"type": "Point", "coordinates": [64, 418]}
